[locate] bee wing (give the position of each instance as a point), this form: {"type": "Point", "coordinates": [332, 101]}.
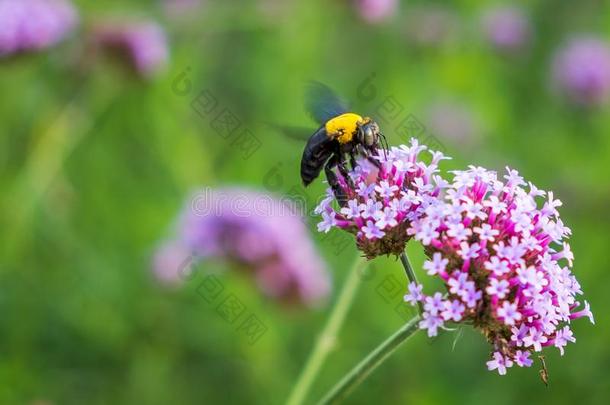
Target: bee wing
{"type": "Point", "coordinates": [293, 132]}
{"type": "Point", "coordinates": [322, 103]}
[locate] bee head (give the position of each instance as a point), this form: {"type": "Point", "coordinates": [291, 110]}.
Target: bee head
{"type": "Point", "coordinates": [369, 134]}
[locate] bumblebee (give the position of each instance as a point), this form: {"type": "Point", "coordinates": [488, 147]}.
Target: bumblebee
{"type": "Point", "coordinates": [341, 134]}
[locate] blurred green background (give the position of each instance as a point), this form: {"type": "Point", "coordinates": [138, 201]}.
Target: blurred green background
{"type": "Point", "coordinates": [97, 163]}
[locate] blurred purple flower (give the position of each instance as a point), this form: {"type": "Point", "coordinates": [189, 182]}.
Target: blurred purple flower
{"type": "Point", "coordinates": [452, 121]}
{"type": "Point", "coordinates": [581, 71]}
{"type": "Point", "coordinates": [180, 8]}
{"type": "Point", "coordinates": [507, 28]}
{"type": "Point", "coordinates": [254, 230]}
{"type": "Point", "coordinates": [171, 262]}
{"type": "Point", "coordinates": [143, 44]}
{"type": "Point", "coordinates": [29, 25]}
{"type": "Point", "coordinates": [275, 11]}
{"type": "Point", "coordinates": [374, 11]}
{"type": "Point", "coordinates": [430, 25]}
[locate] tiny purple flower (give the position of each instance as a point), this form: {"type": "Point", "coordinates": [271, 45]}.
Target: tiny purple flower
{"type": "Point", "coordinates": [486, 232]}
{"type": "Point", "coordinates": [415, 293]}
{"type": "Point", "coordinates": [453, 310]}
{"type": "Point", "coordinates": [468, 252]}
{"type": "Point", "coordinates": [509, 313]}
{"type": "Point", "coordinates": [472, 296]}
{"type": "Point", "coordinates": [458, 231]}
{"type": "Point", "coordinates": [371, 231]}
{"type": "Point", "coordinates": [499, 363]}
{"type": "Point", "coordinates": [458, 285]}
{"type": "Point", "coordinates": [562, 337]}
{"type": "Point", "coordinates": [386, 218]}
{"type": "Point", "coordinates": [431, 322]}
{"type": "Point", "coordinates": [352, 210]}
{"type": "Point", "coordinates": [435, 304]}
{"type": "Point", "coordinates": [386, 190]}
{"type": "Point", "coordinates": [522, 358]}
{"type": "Point", "coordinates": [535, 338]}
{"type": "Point", "coordinates": [498, 266]}
{"type": "Point", "coordinates": [328, 221]}
{"type": "Point", "coordinates": [370, 209]}
{"type": "Point", "coordinates": [436, 265]}
{"type": "Point", "coordinates": [499, 288]}
{"type": "Point", "coordinates": [365, 190]}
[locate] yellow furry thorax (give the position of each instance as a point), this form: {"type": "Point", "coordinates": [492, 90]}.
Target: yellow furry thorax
{"type": "Point", "coordinates": [343, 127]}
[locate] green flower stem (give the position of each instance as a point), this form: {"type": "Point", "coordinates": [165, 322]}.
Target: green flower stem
{"type": "Point", "coordinates": [404, 259]}
{"type": "Point", "coordinates": [359, 373]}
{"type": "Point", "coordinates": [328, 337]}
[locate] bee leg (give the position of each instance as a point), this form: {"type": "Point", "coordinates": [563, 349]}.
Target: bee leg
{"type": "Point", "coordinates": [344, 172]}
{"type": "Point", "coordinates": [334, 182]}
{"type": "Point", "coordinates": [367, 155]}
{"type": "Point", "coordinates": [352, 160]}
{"type": "Point", "coordinates": [374, 161]}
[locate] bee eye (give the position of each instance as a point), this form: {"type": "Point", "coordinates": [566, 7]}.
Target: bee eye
{"type": "Point", "coordinates": [368, 136]}
{"type": "Point", "coordinates": [361, 136]}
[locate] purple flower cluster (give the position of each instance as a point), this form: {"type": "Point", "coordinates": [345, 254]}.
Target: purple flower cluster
{"type": "Point", "coordinates": [504, 262]}
{"type": "Point", "coordinates": [29, 25]}
{"type": "Point", "coordinates": [507, 28]}
{"type": "Point", "coordinates": [142, 43]}
{"type": "Point", "coordinates": [374, 11]}
{"type": "Point", "coordinates": [581, 71]}
{"type": "Point", "coordinates": [256, 231]}
{"type": "Point", "coordinates": [384, 202]}
{"type": "Point", "coordinates": [181, 8]}
{"type": "Point", "coordinates": [454, 122]}
{"type": "Point", "coordinates": [431, 25]}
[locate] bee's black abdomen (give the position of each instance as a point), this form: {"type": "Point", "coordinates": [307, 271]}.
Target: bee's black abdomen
{"type": "Point", "coordinates": [317, 151]}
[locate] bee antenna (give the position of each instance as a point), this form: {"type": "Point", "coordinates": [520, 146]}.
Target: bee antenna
{"type": "Point", "coordinates": [384, 143]}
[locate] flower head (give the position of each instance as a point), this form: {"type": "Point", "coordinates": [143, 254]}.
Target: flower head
{"type": "Point", "coordinates": [507, 28]}
{"type": "Point", "coordinates": [454, 122]}
{"type": "Point", "coordinates": [581, 71]}
{"type": "Point", "coordinates": [415, 293]}
{"type": "Point", "coordinates": [255, 231]}
{"type": "Point", "coordinates": [431, 25]}
{"type": "Point", "coordinates": [143, 44]}
{"type": "Point", "coordinates": [374, 11]}
{"type": "Point", "coordinates": [499, 363]}
{"type": "Point", "coordinates": [30, 25]}
{"type": "Point", "coordinates": [181, 8]}
{"type": "Point", "coordinates": [381, 207]}
{"type": "Point", "coordinates": [500, 248]}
